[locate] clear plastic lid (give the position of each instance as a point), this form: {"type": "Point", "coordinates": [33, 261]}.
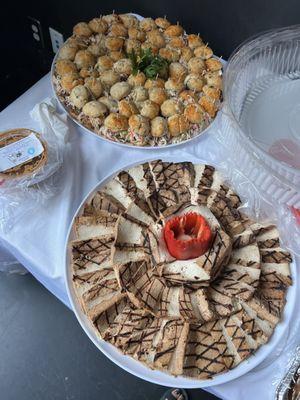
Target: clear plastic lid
{"type": "Point", "coordinates": [262, 91]}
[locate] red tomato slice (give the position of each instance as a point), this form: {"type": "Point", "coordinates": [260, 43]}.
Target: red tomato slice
{"type": "Point", "coordinates": [187, 236]}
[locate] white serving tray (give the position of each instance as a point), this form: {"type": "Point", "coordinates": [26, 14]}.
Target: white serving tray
{"type": "Point", "coordinates": [138, 369]}
{"type": "Point", "coordinates": [168, 146]}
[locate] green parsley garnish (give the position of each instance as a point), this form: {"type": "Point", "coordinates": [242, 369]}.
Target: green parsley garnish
{"type": "Point", "coordinates": [151, 65]}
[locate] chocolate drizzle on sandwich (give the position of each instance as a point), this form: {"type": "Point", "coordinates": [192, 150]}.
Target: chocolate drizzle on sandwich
{"type": "Point", "coordinates": [197, 317]}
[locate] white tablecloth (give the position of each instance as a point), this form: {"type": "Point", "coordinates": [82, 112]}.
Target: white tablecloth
{"type": "Point", "coordinates": [38, 239]}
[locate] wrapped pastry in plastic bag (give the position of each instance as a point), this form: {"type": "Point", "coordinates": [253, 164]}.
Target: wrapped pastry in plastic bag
{"type": "Point", "coordinates": [29, 161]}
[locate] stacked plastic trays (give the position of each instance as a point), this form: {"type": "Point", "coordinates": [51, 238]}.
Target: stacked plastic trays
{"type": "Point", "coordinates": [261, 114]}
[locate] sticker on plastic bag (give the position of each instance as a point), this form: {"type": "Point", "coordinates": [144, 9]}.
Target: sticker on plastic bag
{"type": "Point", "coordinates": [19, 152]}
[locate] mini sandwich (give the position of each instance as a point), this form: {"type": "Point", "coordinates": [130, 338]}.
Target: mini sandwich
{"type": "Point", "coordinates": [171, 272]}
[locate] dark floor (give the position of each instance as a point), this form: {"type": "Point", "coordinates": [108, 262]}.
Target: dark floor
{"type": "Point", "coordinates": [44, 353]}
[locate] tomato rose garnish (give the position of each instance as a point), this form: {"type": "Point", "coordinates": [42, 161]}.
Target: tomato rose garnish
{"type": "Point", "coordinates": [187, 236]}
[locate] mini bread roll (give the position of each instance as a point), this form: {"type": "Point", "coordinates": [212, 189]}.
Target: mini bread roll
{"type": "Point", "coordinates": [84, 59]}
{"type": "Point", "coordinates": [174, 30]}
{"type": "Point", "coordinates": [94, 85]}
{"type": "Point", "coordinates": [95, 71]}
{"type": "Point", "coordinates": [137, 34]}
{"type": "Point", "coordinates": [94, 109]}
{"type": "Point", "coordinates": [157, 95]}
{"type": "Point", "coordinates": [117, 55]}
{"type": "Point", "coordinates": [147, 45]}
{"type": "Point", "coordinates": [110, 103]}
{"type": "Point", "coordinates": [137, 80]}
{"type": "Point", "coordinates": [213, 79]}
{"type": "Point", "coordinates": [151, 83]}
{"type": "Point", "coordinates": [118, 30]}
{"type": "Point", "coordinates": [194, 82]}
{"type": "Point", "coordinates": [114, 43]}
{"type": "Point", "coordinates": [109, 78]}
{"type": "Point", "coordinates": [120, 90]}
{"type": "Point", "coordinates": [79, 96]}
{"type": "Point", "coordinates": [111, 18]}
{"type": "Point", "coordinates": [147, 24]}
{"type": "Point", "coordinates": [116, 122]}
{"type": "Point", "coordinates": [212, 92]}
{"type": "Point", "coordinates": [100, 41]}
{"type": "Point", "coordinates": [156, 38]}
{"type": "Point", "coordinates": [196, 65]}
{"type": "Point", "coordinates": [82, 29]}
{"type": "Point", "coordinates": [158, 126]}
{"type": "Point", "coordinates": [177, 71]}
{"type": "Point", "coordinates": [139, 94]}
{"type": "Point", "coordinates": [98, 25]}
{"type": "Point", "coordinates": [208, 105]}
{"type": "Point", "coordinates": [68, 51]}
{"type": "Point", "coordinates": [186, 54]}
{"type": "Point", "coordinates": [176, 42]}
{"type": "Point", "coordinates": [96, 50]}
{"type": "Point", "coordinates": [132, 45]}
{"type": "Point", "coordinates": [85, 72]}
{"type": "Point", "coordinates": [162, 23]}
{"type": "Point", "coordinates": [75, 41]}
{"type": "Point", "coordinates": [69, 81]}
{"type": "Point", "coordinates": [123, 67]}
{"type": "Point", "coordinates": [194, 41]}
{"type": "Point", "coordinates": [177, 124]}
{"type": "Point", "coordinates": [203, 52]}
{"type": "Point", "coordinates": [127, 108]}
{"type": "Point", "coordinates": [64, 67]}
{"type": "Point", "coordinates": [194, 113]}
{"type": "Point", "coordinates": [188, 96]}
{"type": "Point", "coordinates": [139, 124]}
{"type": "Point", "coordinates": [139, 105]}
{"type": "Point", "coordinates": [149, 109]}
{"type": "Point", "coordinates": [174, 85]}
{"type": "Point", "coordinates": [170, 54]}
{"type": "Point", "coordinates": [129, 20]}
{"type": "Point", "coordinates": [171, 107]}
{"type": "Point", "coordinates": [104, 63]}
{"type": "Point", "coordinates": [213, 65]}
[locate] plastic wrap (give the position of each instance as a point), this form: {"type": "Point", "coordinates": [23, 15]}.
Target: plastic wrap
{"type": "Point", "coordinates": [9, 264]}
{"type": "Point", "coordinates": [257, 129]}
{"type": "Point", "coordinates": [35, 180]}
{"type": "Point", "coordinates": [291, 378]}
{"type": "Point", "coordinates": [260, 116]}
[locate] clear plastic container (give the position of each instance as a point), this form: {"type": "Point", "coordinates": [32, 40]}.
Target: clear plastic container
{"type": "Point", "coordinates": [261, 113]}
